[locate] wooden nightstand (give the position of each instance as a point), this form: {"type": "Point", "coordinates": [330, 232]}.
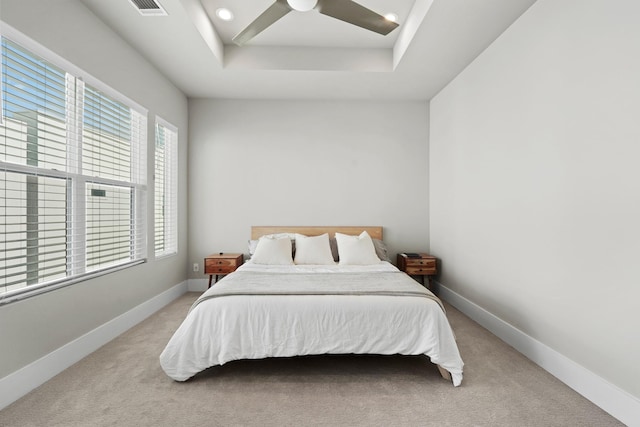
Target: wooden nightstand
{"type": "Point", "coordinates": [222, 263]}
{"type": "Point", "coordinates": [422, 265]}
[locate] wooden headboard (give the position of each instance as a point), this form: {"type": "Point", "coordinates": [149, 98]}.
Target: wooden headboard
{"type": "Point", "coordinates": [258, 231]}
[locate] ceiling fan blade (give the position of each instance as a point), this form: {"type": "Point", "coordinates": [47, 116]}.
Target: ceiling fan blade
{"type": "Point", "coordinates": [274, 12]}
{"type": "Point", "coordinates": [353, 13]}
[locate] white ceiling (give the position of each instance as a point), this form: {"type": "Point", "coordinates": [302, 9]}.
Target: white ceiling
{"type": "Point", "coordinates": [306, 55]}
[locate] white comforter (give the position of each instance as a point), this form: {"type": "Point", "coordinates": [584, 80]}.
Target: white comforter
{"type": "Point", "coordinates": [222, 329]}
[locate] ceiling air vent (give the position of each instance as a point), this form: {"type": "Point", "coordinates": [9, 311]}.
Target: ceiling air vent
{"type": "Point", "coordinates": [148, 7]}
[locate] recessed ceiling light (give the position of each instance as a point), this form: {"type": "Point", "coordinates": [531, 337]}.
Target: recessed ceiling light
{"type": "Point", "coordinates": [224, 14]}
{"type": "Point", "coordinates": [391, 17]}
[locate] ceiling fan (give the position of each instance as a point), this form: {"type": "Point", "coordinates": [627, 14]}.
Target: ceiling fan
{"type": "Point", "coordinates": [344, 10]}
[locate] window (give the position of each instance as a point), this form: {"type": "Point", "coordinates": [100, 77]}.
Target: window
{"type": "Point", "coordinates": [166, 189]}
{"type": "Point", "coordinates": [72, 174]}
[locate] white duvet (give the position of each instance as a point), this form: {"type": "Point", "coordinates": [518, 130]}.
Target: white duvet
{"type": "Point", "coordinates": [222, 329]}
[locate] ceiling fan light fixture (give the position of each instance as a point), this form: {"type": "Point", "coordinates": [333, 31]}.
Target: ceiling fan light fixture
{"type": "Point", "coordinates": [302, 5]}
{"type": "Point", "coordinates": [391, 17]}
{"type": "Point", "coordinates": [224, 14]}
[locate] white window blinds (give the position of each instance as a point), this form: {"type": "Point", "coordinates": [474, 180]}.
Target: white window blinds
{"type": "Point", "coordinates": [72, 176]}
{"type": "Point", "coordinates": [166, 189]}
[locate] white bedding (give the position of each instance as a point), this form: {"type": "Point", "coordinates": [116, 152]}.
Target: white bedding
{"type": "Point", "coordinates": [226, 328]}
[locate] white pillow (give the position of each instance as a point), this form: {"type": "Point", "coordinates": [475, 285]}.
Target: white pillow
{"type": "Point", "coordinates": [273, 251]}
{"type": "Point", "coordinates": [313, 250]}
{"type": "Point", "coordinates": [252, 244]}
{"type": "Point", "coordinates": [291, 236]}
{"type": "Point", "coordinates": [356, 250]}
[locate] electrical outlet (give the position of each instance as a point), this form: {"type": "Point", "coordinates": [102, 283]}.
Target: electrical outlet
{"type": "Point", "coordinates": [196, 267]}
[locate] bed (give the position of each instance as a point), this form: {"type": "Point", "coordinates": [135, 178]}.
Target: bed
{"type": "Point", "coordinates": [307, 304]}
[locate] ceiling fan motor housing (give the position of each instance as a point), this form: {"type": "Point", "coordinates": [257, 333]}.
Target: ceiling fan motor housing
{"type": "Point", "coordinates": [302, 5]}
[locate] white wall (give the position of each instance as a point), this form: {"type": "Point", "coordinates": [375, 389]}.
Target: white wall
{"type": "Point", "coordinates": [306, 163]}
{"type": "Point", "coordinates": [535, 184]}
{"type": "Point", "coordinates": [33, 328]}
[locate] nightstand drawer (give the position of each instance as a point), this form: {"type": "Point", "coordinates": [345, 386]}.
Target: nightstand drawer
{"type": "Point", "coordinates": [219, 269]}
{"type": "Point", "coordinates": [417, 270]}
{"type": "Point", "coordinates": [420, 263]}
{"type": "Point", "coordinates": [215, 264]}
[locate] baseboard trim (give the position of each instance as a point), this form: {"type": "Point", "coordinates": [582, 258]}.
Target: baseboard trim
{"type": "Point", "coordinates": [607, 396]}
{"type": "Point", "coordinates": [22, 381]}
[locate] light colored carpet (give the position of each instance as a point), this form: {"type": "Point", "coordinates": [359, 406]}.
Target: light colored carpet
{"type": "Point", "coordinates": [122, 384]}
